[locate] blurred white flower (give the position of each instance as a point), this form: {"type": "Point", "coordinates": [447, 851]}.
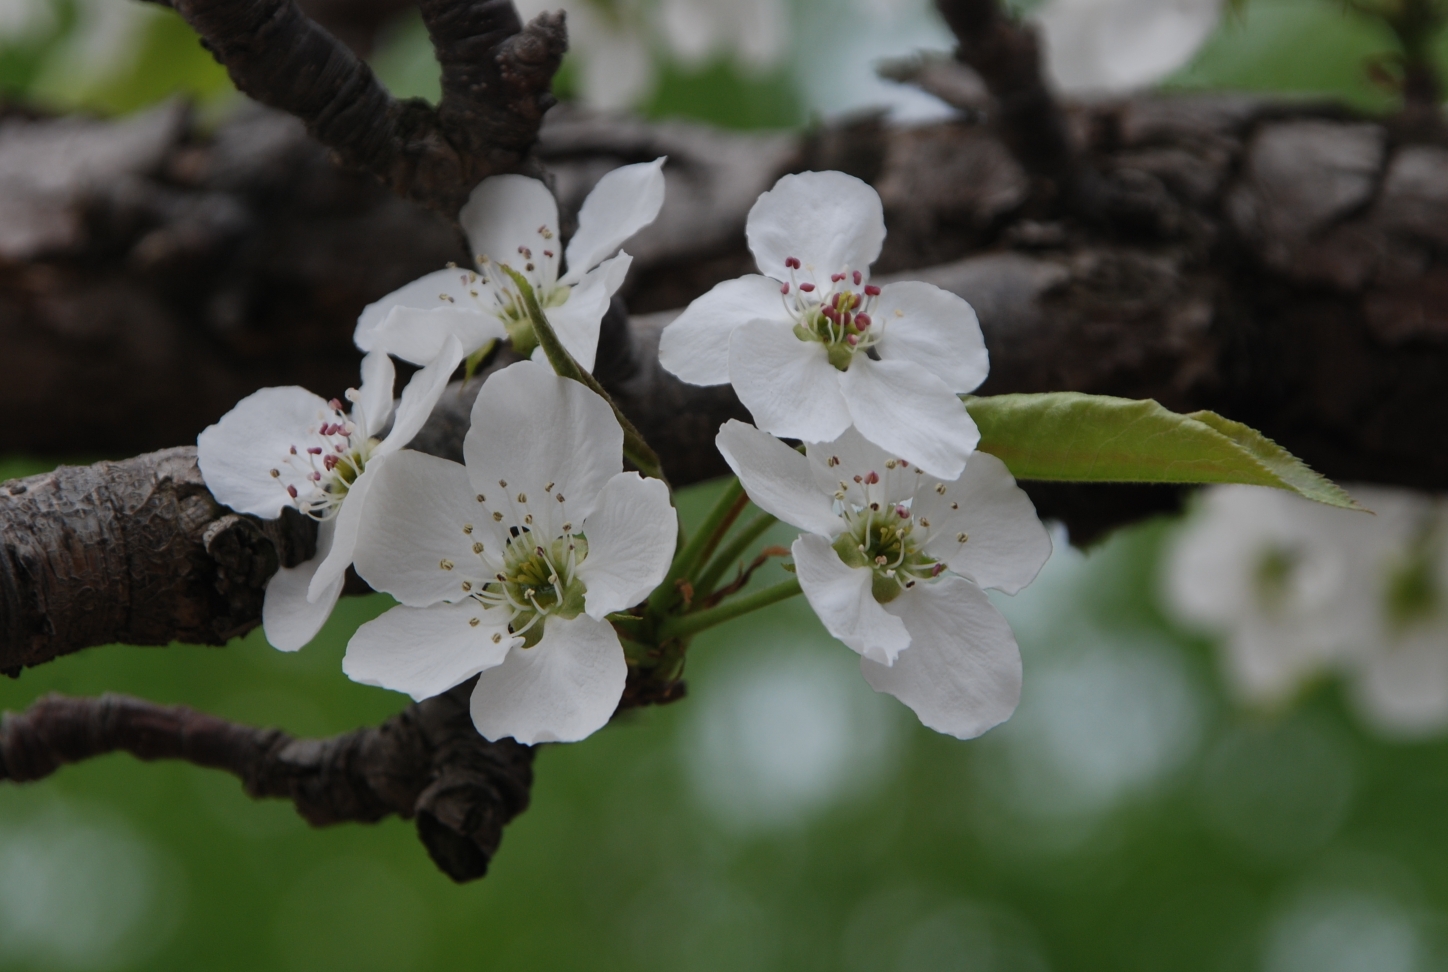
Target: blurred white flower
{"type": "Point", "coordinates": [755, 32]}
{"type": "Point", "coordinates": [1115, 46]}
{"type": "Point", "coordinates": [21, 20]}
{"type": "Point", "coordinates": [1298, 588]}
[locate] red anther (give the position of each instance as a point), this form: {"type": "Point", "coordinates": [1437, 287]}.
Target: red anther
{"type": "Point", "coordinates": [851, 340]}
{"type": "Point", "coordinates": [830, 314]}
{"type": "Point", "coordinates": [339, 447]}
{"type": "Point", "coordinates": [292, 491]}
{"type": "Point", "coordinates": [294, 450]}
{"type": "Point", "coordinates": [835, 301]}
{"type": "Point", "coordinates": [807, 287]}
{"type": "Point", "coordinates": [791, 263]}
{"type": "Point", "coordinates": [315, 450]}
{"type": "Point", "coordinates": [335, 405]}
{"type": "Point", "coordinates": [902, 512]}
{"type": "Point", "coordinates": [937, 570]}
{"type": "Point", "coordinates": [784, 288]}
{"type": "Point", "coordinates": [315, 477]}
{"type": "Point", "coordinates": [871, 290]}
{"type": "Point", "coordinates": [872, 477]}
{"type": "Point", "coordinates": [904, 464]}
{"type": "Point", "coordinates": [862, 321]}
{"type": "Point", "coordinates": [329, 463]}
{"type": "Point", "coordinates": [548, 254]}
{"type": "Point", "coordinates": [858, 277]}
{"type": "Point", "coordinates": [859, 479]}
{"type": "Point", "coordinates": [836, 277]}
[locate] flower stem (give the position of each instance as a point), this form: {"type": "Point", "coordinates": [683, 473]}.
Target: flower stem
{"type": "Point", "coordinates": [691, 624]}
{"type": "Point", "coordinates": [705, 539]}
{"type": "Point", "coordinates": [704, 585]}
{"type": "Point", "coordinates": [635, 449]}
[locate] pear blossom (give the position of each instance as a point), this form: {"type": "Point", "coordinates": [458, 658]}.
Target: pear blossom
{"type": "Point", "coordinates": [812, 347]}
{"type": "Point", "coordinates": [512, 220]}
{"type": "Point", "coordinates": [896, 562]}
{"type": "Point", "coordinates": [1116, 46]}
{"type": "Point", "coordinates": [286, 446]}
{"type": "Point", "coordinates": [509, 565]}
{"type": "Point", "coordinates": [1299, 590]}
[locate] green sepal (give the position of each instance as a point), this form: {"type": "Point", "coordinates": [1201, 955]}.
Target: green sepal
{"type": "Point", "coordinates": [1071, 437]}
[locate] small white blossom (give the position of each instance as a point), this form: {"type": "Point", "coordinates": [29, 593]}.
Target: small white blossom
{"type": "Point", "coordinates": [508, 566]}
{"type": "Point", "coordinates": [285, 446]}
{"type": "Point", "coordinates": [894, 562]}
{"type": "Point", "coordinates": [1116, 46]}
{"type": "Point", "coordinates": [512, 220]}
{"type": "Point", "coordinates": [812, 347]}
{"type": "Point", "coordinates": [1300, 589]}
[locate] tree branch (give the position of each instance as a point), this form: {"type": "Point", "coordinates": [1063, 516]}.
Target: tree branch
{"type": "Point", "coordinates": [496, 79]}
{"type": "Point", "coordinates": [427, 763]}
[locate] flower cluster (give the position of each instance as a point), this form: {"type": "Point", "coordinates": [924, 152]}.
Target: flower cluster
{"type": "Point", "coordinates": [543, 570]}
{"type": "Point", "coordinates": [1301, 589]}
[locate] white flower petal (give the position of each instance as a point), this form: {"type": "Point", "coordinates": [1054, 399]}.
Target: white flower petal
{"type": "Point", "coordinates": [788, 385]}
{"type": "Point", "coordinates": [910, 413]}
{"type": "Point", "coordinates": [777, 478]}
{"type": "Point", "coordinates": [962, 671]}
{"type": "Point", "coordinates": [418, 508]}
{"type": "Point", "coordinates": [840, 595]}
{"type": "Point", "coordinates": [1402, 687]}
{"type": "Point", "coordinates": [374, 405]}
{"type": "Point", "coordinates": [631, 535]}
{"type": "Point", "coordinates": [288, 618]}
{"type": "Point", "coordinates": [418, 336]}
{"type": "Point", "coordinates": [420, 396]}
{"type": "Point", "coordinates": [507, 212]}
{"type": "Point", "coordinates": [576, 321]}
{"type": "Point", "coordinates": [1115, 46]}
{"type": "Point", "coordinates": [854, 455]}
{"type": "Point", "coordinates": [426, 651]}
{"type": "Point", "coordinates": [562, 689]}
{"type": "Point", "coordinates": [695, 345]}
{"type": "Point", "coordinates": [345, 527]}
{"type": "Point", "coordinates": [531, 428]}
{"type": "Point", "coordinates": [424, 293]}
{"type": "Point", "coordinates": [1007, 545]}
{"type": "Point", "coordinates": [830, 221]}
{"type": "Point", "coordinates": [237, 454]}
{"type": "Point", "coordinates": [935, 330]}
{"type": "Point", "coordinates": [624, 202]}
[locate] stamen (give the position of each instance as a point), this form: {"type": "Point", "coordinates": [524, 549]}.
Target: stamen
{"type": "Point", "coordinates": [475, 621]}
{"type": "Point", "coordinates": [871, 290]}
{"type": "Point", "coordinates": [445, 564]}
{"type": "Point", "coordinates": [807, 287]}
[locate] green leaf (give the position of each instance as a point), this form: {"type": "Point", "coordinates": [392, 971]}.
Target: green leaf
{"type": "Point", "coordinates": [1067, 436]}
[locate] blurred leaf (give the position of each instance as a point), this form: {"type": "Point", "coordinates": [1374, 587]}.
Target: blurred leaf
{"type": "Point", "coordinates": [1092, 438]}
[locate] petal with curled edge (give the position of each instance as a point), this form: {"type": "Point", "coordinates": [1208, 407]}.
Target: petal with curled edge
{"type": "Point", "coordinates": [576, 321]}
{"type": "Point", "coordinates": [374, 398]}
{"type": "Point", "coordinates": [507, 214]}
{"type": "Point", "coordinates": [935, 330]}
{"type": "Point", "coordinates": [631, 535]}
{"type": "Point", "coordinates": [829, 221]}
{"type": "Point", "coordinates": [441, 288]}
{"type": "Point", "coordinates": [841, 596]}
{"type": "Point", "coordinates": [426, 651]}
{"type": "Point", "coordinates": [910, 413]}
{"type": "Point", "coordinates": [563, 689]}
{"type": "Point", "coordinates": [777, 478]}
{"type": "Point", "coordinates": [962, 671]}
{"type": "Point", "coordinates": [420, 397]}
{"type": "Point", "coordinates": [546, 437]}
{"type": "Point", "coordinates": [238, 453]}
{"type": "Point", "coordinates": [1006, 544]}
{"type": "Point", "coordinates": [289, 617]}
{"type": "Point", "coordinates": [624, 202]}
{"type": "Point", "coordinates": [695, 345]}
{"type": "Point", "coordinates": [788, 385]}
{"type": "Point", "coordinates": [418, 336]}
{"type": "Point", "coordinates": [421, 517]}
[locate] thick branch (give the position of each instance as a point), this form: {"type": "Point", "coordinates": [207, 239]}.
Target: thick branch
{"type": "Point", "coordinates": [496, 80]}
{"type": "Point", "coordinates": [427, 763]}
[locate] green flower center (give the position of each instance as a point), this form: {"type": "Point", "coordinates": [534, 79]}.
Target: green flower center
{"type": "Point", "coordinates": [1412, 592]}
{"type": "Point", "coordinates": [538, 582]}
{"type": "Point", "coordinates": [838, 318]}
{"type": "Point", "coordinates": [889, 541]}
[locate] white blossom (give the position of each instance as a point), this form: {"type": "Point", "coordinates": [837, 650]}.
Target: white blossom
{"type": "Point", "coordinates": [508, 566]}
{"type": "Point", "coordinates": [285, 446]}
{"type": "Point", "coordinates": [811, 347]}
{"type": "Point", "coordinates": [895, 562]}
{"type": "Point", "coordinates": [1299, 589]}
{"type": "Point", "coordinates": [1115, 46]}
{"type": "Point", "coordinates": [512, 220]}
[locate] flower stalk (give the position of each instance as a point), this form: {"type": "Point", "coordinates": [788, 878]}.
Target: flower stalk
{"type": "Point", "coordinates": [697, 550]}
{"type": "Point", "coordinates": [688, 625]}
{"type": "Point", "coordinates": [704, 584]}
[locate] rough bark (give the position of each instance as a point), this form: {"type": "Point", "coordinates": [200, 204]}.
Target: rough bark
{"type": "Point", "coordinates": [426, 763]}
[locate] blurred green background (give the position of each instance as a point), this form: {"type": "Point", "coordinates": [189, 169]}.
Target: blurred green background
{"type": "Point", "coordinates": [783, 816]}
